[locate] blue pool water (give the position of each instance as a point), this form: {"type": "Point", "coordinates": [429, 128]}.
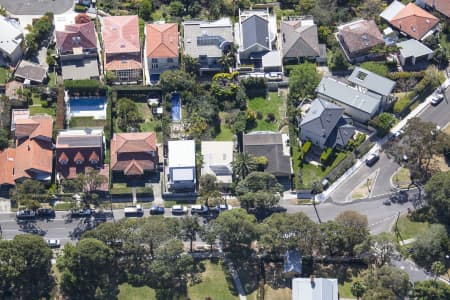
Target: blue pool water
{"type": "Point", "coordinates": [176, 107]}
{"type": "Point", "coordinates": [86, 104]}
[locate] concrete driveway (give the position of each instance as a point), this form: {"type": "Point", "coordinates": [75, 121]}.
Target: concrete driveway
{"type": "Point", "coordinates": [36, 7]}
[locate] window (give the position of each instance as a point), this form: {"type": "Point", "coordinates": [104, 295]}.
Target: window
{"type": "Point", "coordinates": [154, 66]}
{"type": "Point", "coordinates": [94, 162]}
{"type": "Point", "coordinates": [78, 162]}
{"type": "Point", "coordinates": [63, 162]}
{"type": "Point", "coordinates": [154, 60]}
{"type": "Point", "coordinates": [170, 60]}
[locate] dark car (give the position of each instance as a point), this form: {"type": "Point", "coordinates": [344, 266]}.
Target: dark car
{"type": "Point", "coordinates": [26, 215]}
{"type": "Point", "coordinates": [372, 159]}
{"type": "Point", "coordinates": [81, 213]}
{"type": "Point", "coordinates": [46, 213]}
{"type": "Point", "coordinates": [277, 209]}
{"type": "Point", "coordinates": [387, 202]}
{"type": "Point", "coordinates": [199, 210]}
{"type": "Point", "coordinates": [157, 210]}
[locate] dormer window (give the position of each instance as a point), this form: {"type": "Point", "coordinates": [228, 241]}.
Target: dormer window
{"type": "Point", "coordinates": [79, 159]}
{"type": "Point", "coordinates": [93, 161]}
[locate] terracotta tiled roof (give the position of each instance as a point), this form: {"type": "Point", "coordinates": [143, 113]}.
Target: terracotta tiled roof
{"type": "Point", "coordinates": [442, 6]}
{"type": "Point", "coordinates": [130, 152]}
{"type": "Point", "coordinates": [162, 40]}
{"type": "Point", "coordinates": [127, 63]}
{"type": "Point", "coordinates": [414, 21]}
{"type": "Point", "coordinates": [34, 126]}
{"type": "Point", "coordinates": [82, 18]}
{"type": "Point", "coordinates": [120, 34]}
{"type": "Point", "coordinates": [63, 158]}
{"type": "Point", "coordinates": [79, 157]}
{"type": "Point", "coordinates": [94, 156]}
{"type": "Point", "coordinates": [361, 37]}
{"type": "Point", "coordinates": [7, 158]}
{"type": "Point", "coordinates": [76, 35]}
{"type": "Point", "coordinates": [35, 156]}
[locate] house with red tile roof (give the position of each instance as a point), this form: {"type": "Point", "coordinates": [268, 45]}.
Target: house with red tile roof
{"type": "Point", "coordinates": [76, 47]}
{"type": "Point", "coordinates": [78, 151]}
{"type": "Point", "coordinates": [134, 154]}
{"type": "Point", "coordinates": [122, 48]}
{"type": "Point", "coordinates": [441, 6]}
{"type": "Point", "coordinates": [410, 19]}
{"type": "Point", "coordinates": [161, 48]}
{"type": "Point", "coordinates": [32, 156]}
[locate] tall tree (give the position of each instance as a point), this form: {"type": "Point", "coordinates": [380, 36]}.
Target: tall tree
{"type": "Point", "coordinates": [387, 282]}
{"type": "Point", "coordinates": [303, 80]}
{"type": "Point", "coordinates": [128, 115]}
{"type": "Point", "coordinates": [431, 290]}
{"type": "Point", "coordinates": [91, 181]}
{"type": "Point", "coordinates": [25, 268]}
{"type": "Point", "coordinates": [356, 229]}
{"type": "Point", "coordinates": [87, 269]}
{"type": "Point", "coordinates": [3, 139]}
{"type": "Point", "coordinates": [259, 181]}
{"type": "Point", "coordinates": [29, 189]}
{"type": "Point", "coordinates": [437, 191]}
{"type": "Point", "coordinates": [431, 246]}
{"type": "Point", "coordinates": [243, 164]}
{"type": "Point", "coordinates": [190, 227]}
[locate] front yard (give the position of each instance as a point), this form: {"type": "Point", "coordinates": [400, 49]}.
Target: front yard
{"type": "Point", "coordinates": [312, 173]}
{"type": "Point", "coordinates": [4, 75]}
{"type": "Point", "coordinates": [86, 122]}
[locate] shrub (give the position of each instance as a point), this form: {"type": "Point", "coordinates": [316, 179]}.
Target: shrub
{"type": "Point", "coordinates": [80, 8]}
{"type": "Point", "coordinates": [306, 147]}
{"type": "Point", "coordinates": [254, 87]}
{"type": "Point", "coordinates": [383, 122]}
{"type": "Point", "coordinates": [326, 157]}
{"type": "Point", "coordinates": [270, 117]}
{"type": "Point", "coordinates": [259, 115]}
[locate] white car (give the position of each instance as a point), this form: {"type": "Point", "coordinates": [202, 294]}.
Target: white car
{"type": "Point", "coordinates": [436, 98]}
{"type": "Point", "coordinates": [179, 209]}
{"type": "Point", "coordinates": [54, 243]}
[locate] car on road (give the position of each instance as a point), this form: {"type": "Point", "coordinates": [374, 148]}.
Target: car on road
{"type": "Point", "coordinates": [26, 215]}
{"type": "Point", "coordinates": [277, 209]}
{"type": "Point", "coordinates": [436, 98]}
{"type": "Point", "coordinates": [133, 211]}
{"type": "Point", "coordinates": [157, 210]}
{"type": "Point", "coordinates": [199, 210]}
{"type": "Point", "coordinates": [47, 213]}
{"type": "Point", "coordinates": [387, 202]}
{"type": "Point", "coordinates": [372, 159]}
{"type": "Point", "coordinates": [54, 243]}
{"type": "Point", "coordinates": [179, 209]}
{"type": "Point", "coordinates": [396, 134]}
{"type": "Point", "coordinates": [80, 213]}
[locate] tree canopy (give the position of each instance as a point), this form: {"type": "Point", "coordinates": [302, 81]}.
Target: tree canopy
{"type": "Point", "coordinates": [437, 191]}
{"type": "Point", "coordinates": [303, 80]}
{"type": "Point", "coordinates": [432, 245]}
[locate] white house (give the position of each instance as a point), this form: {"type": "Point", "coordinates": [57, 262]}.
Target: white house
{"type": "Point", "coordinates": [315, 289]}
{"type": "Point", "coordinates": [181, 171]}
{"type": "Point", "coordinates": [11, 39]}
{"type": "Point", "coordinates": [217, 159]}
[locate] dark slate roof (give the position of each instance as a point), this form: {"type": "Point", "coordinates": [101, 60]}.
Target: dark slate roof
{"type": "Point", "coordinates": [31, 71]}
{"type": "Point", "coordinates": [299, 38]}
{"type": "Point", "coordinates": [69, 141]}
{"type": "Point", "coordinates": [269, 145]}
{"type": "Point", "coordinates": [342, 132]}
{"type": "Point", "coordinates": [292, 262]}
{"type": "Point", "coordinates": [326, 113]}
{"type": "Point", "coordinates": [255, 30]}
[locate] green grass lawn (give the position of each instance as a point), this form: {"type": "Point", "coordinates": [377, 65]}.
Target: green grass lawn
{"type": "Point", "coordinates": [311, 173]}
{"type": "Point", "coordinates": [409, 229]}
{"type": "Point", "coordinates": [51, 79]}
{"type": "Point", "coordinates": [129, 292]}
{"type": "Point", "coordinates": [213, 284]}
{"type": "Point", "coordinates": [86, 122]}
{"type": "Point", "coordinates": [36, 110]}
{"type": "Point", "coordinates": [275, 105]}
{"type": "Point", "coordinates": [402, 101]}
{"type": "Point", "coordinates": [4, 75]}
{"type": "Point", "coordinates": [225, 134]}
{"type": "Point", "coordinates": [345, 288]}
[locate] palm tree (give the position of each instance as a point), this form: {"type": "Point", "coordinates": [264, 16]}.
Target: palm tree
{"type": "Point", "coordinates": [243, 164]}
{"type": "Point", "coordinates": [227, 61]}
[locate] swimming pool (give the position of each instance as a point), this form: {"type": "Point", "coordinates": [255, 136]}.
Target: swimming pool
{"type": "Point", "coordinates": [87, 107]}
{"type": "Point", "coordinates": [176, 107]}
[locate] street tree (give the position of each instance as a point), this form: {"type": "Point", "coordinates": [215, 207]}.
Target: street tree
{"type": "Point", "coordinates": [29, 189]}
{"type": "Point", "coordinates": [25, 268]}
{"type": "Point", "coordinates": [236, 228]}
{"type": "Point", "coordinates": [332, 238]}
{"type": "Point", "coordinates": [208, 234]}
{"type": "Point", "coordinates": [280, 233]}
{"type": "Point", "coordinates": [385, 282]}
{"type": "Point", "coordinates": [261, 200]}
{"type": "Point", "coordinates": [431, 290]}
{"type": "Point", "coordinates": [437, 268]}
{"type": "Point", "coordinates": [431, 246]}
{"type": "Point", "coordinates": [358, 289]}
{"type": "Point", "coordinates": [303, 80]}
{"type": "Point", "coordinates": [438, 196]}
{"type": "Point", "coordinates": [356, 229]}
{"type": "Point", "coordinates": [87, 270]}
{"type": "Point", "coordinates": [243, 164]}
{"type": "Point", "coordinates": [190, 227]}
{"type": "Point", "coordinates": [383, 248]}
{"type": "Point", "coordinates": [383, 123]}
{"type": "Point", "coordinates": [421, 142]}
{"type": "Point", "coordinates": [259, 181]}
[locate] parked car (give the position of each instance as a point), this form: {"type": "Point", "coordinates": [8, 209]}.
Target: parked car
{"type": "Point", "coordinates": [396, 134]}
{"type": "Point", "coordinates": [372, 159]}
{"type": "Point", "coordinates": [387, 202]}
{"type": "Point", "coordinates": [436, 98]}
{"type": "Point", "coordinates": [80, 213]}
{"type": "Point", "coordinates": [199, 209]}
{"type": "Point", "coordinates": [219, 208]}
{"type": "Point", "coordinates": [157, 210]}
{"type": "Point", "coordinates": [134, 211]}
{"type": "Point", "coordinates": [46, 213]}
{"type": "Point", "coordinates": [26, 215]}
{"type": "Point", "coordinates": [277, 209]}
{"type": "Point", "coordinates": [54, 243]}
{"type": "Point", "coordinates": [179, 209]}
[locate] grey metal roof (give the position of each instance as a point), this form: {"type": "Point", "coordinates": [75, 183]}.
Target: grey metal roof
{"type": "Point", "coordinates": [299, 38]}
{"type": "Point", "coordinates": [269, 145]}
{"type": "Point", "coordinates": [341, 92]}
{"type": "Point", "coordinates": [314, 289]}
{"type": "Point", "coordinates": [371, 81]}
{"type": "Point", "coordinates": [76, 141]}
{"type": "Point", "coordinates": [413, 48]}
{"type": "Point", "coordinates": [80, 69]}
{"type": "Point", "coordinates": [31, 71]}
{"type": "Point", "coordinates": [271, 59]}
{"type": "Point", "coordinates": [218, 33]}
{"type": "Point", "coordinates": [392, 10]}
{"type": "Point", "coordinates": [255, 30]}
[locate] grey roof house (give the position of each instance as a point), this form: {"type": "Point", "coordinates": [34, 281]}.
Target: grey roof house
{"type": "Point", "coordinates": [374, 83]}
{"type": "Point", "coordinates": [30, 73]}
{"type": "Point", "coordinates": [315, 289]}
{"type": "Point", "coordinates": [413, 51]}
{"type": "Point", "coordinates": [299, 39]}
{"type": "Point", "coordinates": [359, 104]}
{"type": "Point", "coordinates": [275, 149]}
{"type": "Point", "coordinates": [207, 41]}
{"type": "Point", "coordinates": [11, 39]}
{"type": "Point", "coordinates": [255, 34]}
{"type": "Point", "coordinates": [325, 125]}
{"type": "Point", "coordinates": [358, 38]}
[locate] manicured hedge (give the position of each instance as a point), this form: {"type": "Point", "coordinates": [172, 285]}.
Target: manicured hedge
{"type": "Point", "coordinates": [85, 87]}
{"type": "Point", "coordinates": [326, 157]}
{"type": "Point", "coordinates": [306, 147]}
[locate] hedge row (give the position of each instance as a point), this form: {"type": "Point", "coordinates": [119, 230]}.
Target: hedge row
{"type": "Point", "coordinates": [326, 157]}
{"type": "Point", "coordinates": [306, 147]}
{"type": "Point", "coordinates": [405, 75]}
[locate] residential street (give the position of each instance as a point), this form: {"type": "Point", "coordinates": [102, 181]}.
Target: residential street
{"type": "Point", "coordinates": [440, 115]}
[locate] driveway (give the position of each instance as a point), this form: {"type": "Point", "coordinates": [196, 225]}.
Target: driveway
{"type": "Point", "coordinates": [36, 7]}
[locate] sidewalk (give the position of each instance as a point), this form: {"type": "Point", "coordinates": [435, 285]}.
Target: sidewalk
{"type": "Point", "coordinates": [326, 194]}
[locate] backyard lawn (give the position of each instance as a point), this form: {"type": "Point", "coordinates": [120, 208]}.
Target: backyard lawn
{"type": "Point", "coordinates": [129, 292]}
{"type": "Point", "coordinates": [37, 110]}
{"type": "Point", "coordinates": [86, 122]}
{"type": "Point", "coordinates": [4, 75]}
{"type": "Point", "coordinates": [275, 104]}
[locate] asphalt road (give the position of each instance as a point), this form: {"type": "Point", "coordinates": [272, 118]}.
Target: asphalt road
{"type": "Point", "coordinates": [36, 7]}
{"type": "Point", "coordinates": [440, 115]}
